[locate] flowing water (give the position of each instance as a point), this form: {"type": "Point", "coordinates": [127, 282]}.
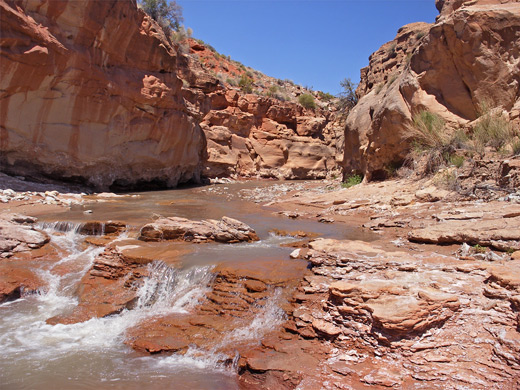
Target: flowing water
{"type": "Point", "coordinates": [92, 354]}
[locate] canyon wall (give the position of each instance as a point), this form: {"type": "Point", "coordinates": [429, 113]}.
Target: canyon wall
{"type": "Point", "coordinates": [471, 55]}
{"type": "Point", "coordinates": [253, 134]}
{"type": "Point", "coordinates": [89, 93]}
{"type": "Point", "coordinates": [93, 92]}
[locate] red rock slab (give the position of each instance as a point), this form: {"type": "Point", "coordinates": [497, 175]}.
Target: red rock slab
{"type": "Point", "coordinates": [499, 233]}
{"type": "Point", "coordinates": [272, 272]}
{"type": "Point", "coordinates": [16, 279]}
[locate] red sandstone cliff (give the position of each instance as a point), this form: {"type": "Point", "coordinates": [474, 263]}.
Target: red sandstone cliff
{"type": "Point", "coordinates": [93, 92]}
{"type": "Point", "coordinates": [89, 92]}
{"type": "Point", "coordinates": [469, 56]}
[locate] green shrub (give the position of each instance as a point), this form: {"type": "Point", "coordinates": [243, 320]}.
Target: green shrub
{"type": "Point", "coordinates": [494, 130]}
{"type": "Point", "coordinates": [429, 130]}
{"type": "Point", "coordinates": [231, 82]}
{"type": "Point", "coordinates": [391, 49]}
{"type": "Point", "coordinates": [456, 160]}
{"type": "Point", "coordinates": [419, 35]}
{"type": "Point", "coordinates": [430, 137]}
{"type": "Point", "coordinates": [352, 181]}
{"type": "Point", "coordinates": [307, 101]}
{"type": "Point", "coordinates": [325, 96]}
{"type": "Point", "coordinates": [168, 14]}
{"type": "Point", "coordinates": [447, 179]}
{"type": "Point", "coordinates": [347, 98]}
{"type": "Point", "coordinates": [480, 249]}
{"type": "Point", "coordinates": [246, 84]}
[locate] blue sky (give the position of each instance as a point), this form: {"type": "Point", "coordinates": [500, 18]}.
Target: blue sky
{"type": "Point", "coordinates": [315, 43]}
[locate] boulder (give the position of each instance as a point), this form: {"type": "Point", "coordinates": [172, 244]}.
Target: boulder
{"type": "Point", "coordinates": [17, 234]}
{"type": "Point", "coordinates": [174, 228]}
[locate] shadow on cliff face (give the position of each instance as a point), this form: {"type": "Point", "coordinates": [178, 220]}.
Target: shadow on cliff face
{"type": "Point", "coordinates": [123, 186]}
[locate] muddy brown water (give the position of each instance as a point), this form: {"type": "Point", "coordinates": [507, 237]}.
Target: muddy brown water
{"type": "Point", "coordinates": [91, 355]}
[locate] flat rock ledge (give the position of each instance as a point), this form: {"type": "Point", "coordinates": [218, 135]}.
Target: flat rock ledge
{"type": "Point", "coordinates": [226, 230]}
{"type": "Point", "coordinates": [501, 234]}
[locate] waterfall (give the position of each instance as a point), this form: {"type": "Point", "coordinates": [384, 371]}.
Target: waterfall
{"type": "Point", "coordinates": [168, 289]}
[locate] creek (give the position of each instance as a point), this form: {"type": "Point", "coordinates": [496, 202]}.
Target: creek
{"type": "Point", "coordinates": [92, 354]}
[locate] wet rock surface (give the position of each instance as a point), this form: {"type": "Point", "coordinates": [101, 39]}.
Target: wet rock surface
{"type": "Point", "coordinates": [243, 302]}
{"type": "Point", "coordinates": [400, 314]}
{"type": "Point", "coordinates": [16, 280]}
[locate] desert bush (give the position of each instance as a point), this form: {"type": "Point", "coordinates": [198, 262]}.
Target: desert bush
{"type": "Point", "coordinates": [307, 101]}
{"type": "Point", "coordinates": [428, 130]}
{"type": "Point", "coordinates": [167, 13]}
{"type": "Point", "coordinates": [493, 129]}
{"type": "Point", "coordinates": [447, 179]}
{"type": "Point", "coordinates": [352, 181]}
{"type": "Point", "coordinates": [246, 84]}
{"type": "Point", "coordinates": [325, 96]}
{"type": "Point", "coordinates": [179, 36]}
{"type": "Point", "coordinates": [431, 138]}
{"type": "Point", "coordinates": [231, 82]}
{"type": "Point", "coordinates": [347, 98]}
{"type": "Point", "coordinates": [391, 49]}
{"type": "Point", "coordinates": [456, 160]}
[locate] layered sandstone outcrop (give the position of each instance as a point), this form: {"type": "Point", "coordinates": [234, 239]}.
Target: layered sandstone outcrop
{"type": "Point", "coordinates": [251, 135]}
{"type": "Point", "coordinates": [90, 93]}
{"type": "Point", "coordinates": [468, 57]}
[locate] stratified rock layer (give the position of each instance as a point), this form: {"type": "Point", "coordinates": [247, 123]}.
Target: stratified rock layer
{"type": "Point", "coordinates": [469, 57]}
{"type": "Point", "coordinates": [252, 135]}
{"type": "Point", "coordinates": [89, 92]}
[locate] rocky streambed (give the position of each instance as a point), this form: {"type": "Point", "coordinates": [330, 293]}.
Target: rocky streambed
{"type": "Point", "coordinates": [261, 285]}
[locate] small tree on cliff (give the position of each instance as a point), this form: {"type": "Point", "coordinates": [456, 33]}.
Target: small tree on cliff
{"type": "Point", "coordinates": [167, 13]}
{"type": "Point", "coordinates": [347, 98]}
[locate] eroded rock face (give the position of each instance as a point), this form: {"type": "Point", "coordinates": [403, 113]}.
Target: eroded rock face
{"type": "Point", "coordinates": [174, 228]}
{"type": "Point", "coordinates": [468, 57]}
{"type": "Point", "coordinates": [250, 135]}
{"type": "Point", "coordinates": [90, 92]}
